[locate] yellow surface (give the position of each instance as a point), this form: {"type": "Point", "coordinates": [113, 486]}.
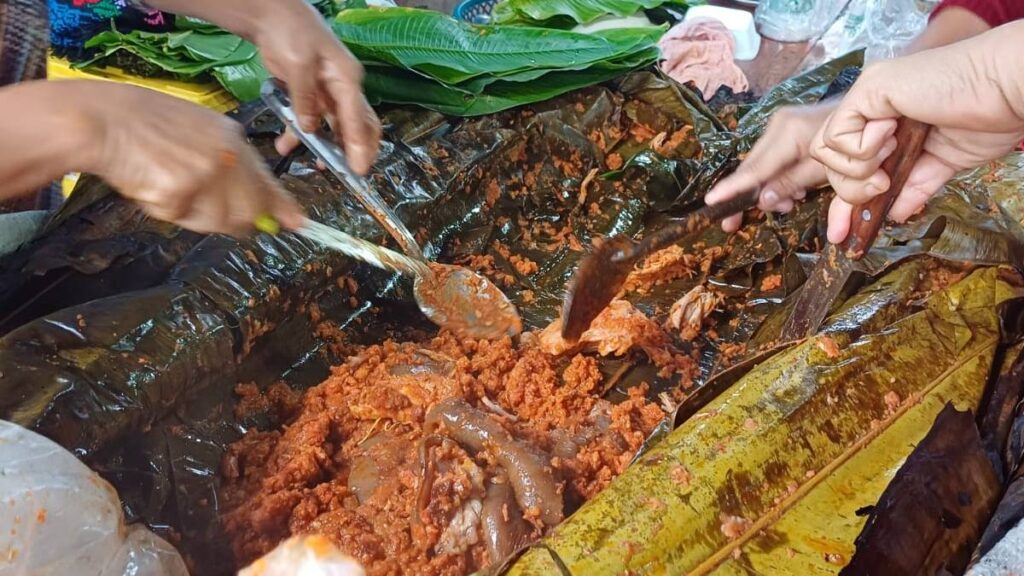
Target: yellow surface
{"type": "Point", "coordinates": [209, 95]}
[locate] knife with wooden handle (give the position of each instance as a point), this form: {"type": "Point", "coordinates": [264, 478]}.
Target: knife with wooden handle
{"type": "Point", "coordinates": [837, 262]}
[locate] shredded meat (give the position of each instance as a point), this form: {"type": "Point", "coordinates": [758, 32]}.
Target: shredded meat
{"type": "Point", "coordinates": [362, 461]}
{"type": "Point", "coordinates": [670, 264]}
{"type": "Point", "coordinates": [618, 329]}
{"type": "Point", "coordinates": [771, 282]}
{"type": "Point", "coordinates": [688, 313]}
{"type": "Point", "coordinates": [662, 267]}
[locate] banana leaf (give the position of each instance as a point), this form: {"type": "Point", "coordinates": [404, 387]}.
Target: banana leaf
{"type": "Point", "coordinates": [566, 13]}
{"type": "Point", "coordinates": [931, 515]}
{"type": "Point", "coordinates": [824, 413]}
{"type": "Point", "coordinates": [432, 59]}
{"type": "Point", "coordinates": [186, 53]}
{"type": "Point", "coordinates": [408, 38]}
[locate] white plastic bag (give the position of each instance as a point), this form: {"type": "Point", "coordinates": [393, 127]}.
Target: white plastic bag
{"type": "Point", "coordinates": [883, 28]}
{"type": "Point", "coordinates": [58, 517]}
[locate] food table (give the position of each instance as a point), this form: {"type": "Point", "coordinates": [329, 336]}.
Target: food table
{"type": "Point", "coordinates": [158, 348]}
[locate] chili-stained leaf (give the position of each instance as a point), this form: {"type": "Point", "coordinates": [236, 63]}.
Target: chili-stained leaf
{"type": "Point", "coordinates": [932, 513]}
{"type": "Point", "coordinates": [787, 442]}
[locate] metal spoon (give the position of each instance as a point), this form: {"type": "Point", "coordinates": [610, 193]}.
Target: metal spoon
{"type": "Point", "coordinates": [453, 297]}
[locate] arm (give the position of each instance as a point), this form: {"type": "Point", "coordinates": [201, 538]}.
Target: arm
{"type": "Point", "coordinates": [956, 20]}
{"type": "Point", "coordinates": [201, 174]}
{"type": "Point", "coordinates": [948, 26]}
{"type": "Point", "coordinates": [42, 138]}
{"type": "Point", "coordinates": [779, 161]}
{"type": "Point", "coordinates": [971, 93]}
{"type": "Point", "coordinates": [298, 47]}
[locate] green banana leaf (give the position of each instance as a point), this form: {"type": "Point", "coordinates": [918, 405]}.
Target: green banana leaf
{"type": "Point", "coordinates": [568, 12]}
{"type": "Point", "coordinates": [386, 84]}
{"type": "Point", "coordinates": [186, 53]}
{"type": "Point", "coordinates": [452, 51]}
{"type": "Point", "coordinates": [412, 56]}
{"type": "Point", "coordinates": [242, 80]}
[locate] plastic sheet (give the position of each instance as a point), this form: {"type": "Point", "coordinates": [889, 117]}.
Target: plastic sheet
{"type": "Point", "coordinates": [59, 517]}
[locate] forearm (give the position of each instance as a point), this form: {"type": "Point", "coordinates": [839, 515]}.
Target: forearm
{"type": "Point", "coordinates": [1004, 47]}
{"type": "Point", "coordinates": [41, 136]}
{"type": "Point", "coordinates": [949, 26]}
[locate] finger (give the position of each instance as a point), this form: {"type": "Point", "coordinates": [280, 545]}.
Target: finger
{"type": "Point", "coordinates": [851, 167]}
{"type": "Point", "coordinates": [856, 191]}
{"type": "Point", "coordinates": [840, 215]}
{"type": "Point", "coordinates": [169, 206]}
{"type": "Point", "coordinates": [850, 133]}
{"type": "Point", "coordinates": [357, 124]}
{"type": "Point", "coordinates": [792, 184]}
{"type": "Point", "coordinates": [247, 191]}
{"type": "Point", "coordinates": [927, 177]}
{"type": "Point", "coordinates": [287, 210]}
{"type": "Point", "coordinates": [302, 89]}
{"type": "Point", "coordinates": [286, 142]}
{"type": "Point", "coordinates": [732, 223]}
{"type": "Point", "coordinates": [210, 215]}
{"type": "Point", "coordinates": [758, 167]}
{"type": "Point", "coordinates": [784, 206]}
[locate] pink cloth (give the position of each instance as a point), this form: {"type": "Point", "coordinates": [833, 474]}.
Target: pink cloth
{"type": "Point", "coordinates": [701, 51]}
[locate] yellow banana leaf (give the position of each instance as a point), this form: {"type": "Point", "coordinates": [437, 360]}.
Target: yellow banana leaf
{"type": "Point", "coordinates": [767, 479]}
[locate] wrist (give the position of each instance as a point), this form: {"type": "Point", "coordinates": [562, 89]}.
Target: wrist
{"type": "Point", "coordinates": [86, 124]}
{"type": "Point", "coordinates": [72, 131]}
{"type": "Point", "coordinates": [1003, 64]}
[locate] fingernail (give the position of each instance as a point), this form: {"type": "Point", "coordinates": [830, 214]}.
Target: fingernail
{"type": "Point", "coordinates": [771, 197]}
{"type": "Point", "coordinates": [872, 190]}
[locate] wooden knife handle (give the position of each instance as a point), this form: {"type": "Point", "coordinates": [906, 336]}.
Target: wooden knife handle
{"type": "Point", "coordinates": [868, 218]}
{"type": "Point", "coordinates": [694, 222]}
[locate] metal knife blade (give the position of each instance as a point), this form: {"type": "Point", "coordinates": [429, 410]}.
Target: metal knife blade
{"type": "Point", "coordinates": [332, 156]}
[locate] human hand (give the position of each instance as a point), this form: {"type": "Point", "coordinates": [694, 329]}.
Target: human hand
{"type": "Point", "coordinates": [182, 163]}
{"type": "Point", "coordinates": [779, 163]}
{"type": "Point", "coordinates": [970, 93]}
{"type": "Point", "coordinates": [322, 77]}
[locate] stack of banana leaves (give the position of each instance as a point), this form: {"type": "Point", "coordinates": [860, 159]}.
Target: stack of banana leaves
{"type": "Point", "coordinates": [123, 338]}
{"type": "Point", "coordinates": [572, 13]}
{"type": "Point", "coordinates": [412, 56]}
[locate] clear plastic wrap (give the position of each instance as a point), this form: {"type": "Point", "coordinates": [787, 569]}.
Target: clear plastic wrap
{"type": "Point", "coordinates": [59, 517]}
{"type": "Point", "coordinates": [882, 28]}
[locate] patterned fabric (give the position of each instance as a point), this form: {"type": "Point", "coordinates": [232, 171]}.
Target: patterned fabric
{"type": "Point", "coordinates": [22, 57]}
{"type": "Point", "coordinates": [73, 22]}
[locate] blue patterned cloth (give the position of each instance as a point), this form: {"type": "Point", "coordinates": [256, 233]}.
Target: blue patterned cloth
{"type": "Point", "coordinates": [73, 22]}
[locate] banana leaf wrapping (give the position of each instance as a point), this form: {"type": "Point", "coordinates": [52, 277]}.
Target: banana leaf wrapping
{"type": "Point", "coordinates": [123, 338]}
